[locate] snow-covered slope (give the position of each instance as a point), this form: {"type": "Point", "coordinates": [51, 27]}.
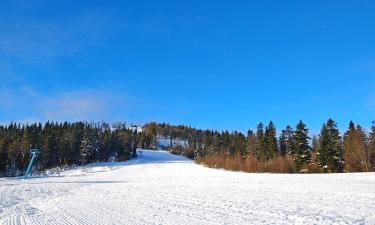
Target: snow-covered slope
{"type": "Point", "coordinates": [163, 143]}
{"type": "Point", "coordinates": [160, 188]}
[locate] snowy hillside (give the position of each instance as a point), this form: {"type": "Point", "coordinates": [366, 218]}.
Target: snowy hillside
{"type": "Point", "coordinates": [163, 143]}
{"type": "Point", "coordinates": [160, 188]}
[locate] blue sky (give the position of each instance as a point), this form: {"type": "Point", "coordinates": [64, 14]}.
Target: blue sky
{"type": "Point", "coordinates": [208, 64]}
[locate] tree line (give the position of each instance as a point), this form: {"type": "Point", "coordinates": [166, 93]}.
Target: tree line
{"type": "Point", "coordinates": [62, 144]}
{"type": "Point", "coordinates": [262, 150]}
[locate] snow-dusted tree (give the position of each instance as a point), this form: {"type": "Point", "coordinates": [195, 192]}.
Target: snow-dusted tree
{"type": "Point", "coordinates": [270, 141]}
{"type": "Point", "coordinates": [286, 141]}
{"type": "Point", "coordinates": [301, 149]}
{"type": "Point", "coordinates": [330, 154]}
{"type": "Point", "coordinates": [89, 147]}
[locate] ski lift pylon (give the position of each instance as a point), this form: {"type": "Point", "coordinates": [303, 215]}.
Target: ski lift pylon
{"type": "Point", "coordinates": [33, 153]}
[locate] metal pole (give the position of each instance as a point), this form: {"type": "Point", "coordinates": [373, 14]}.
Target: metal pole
{"type": "Point", "coordinates": [33, 153]}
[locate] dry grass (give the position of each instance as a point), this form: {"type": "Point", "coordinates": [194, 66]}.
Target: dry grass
{"type": "Point", "coordinates": [248, 164]}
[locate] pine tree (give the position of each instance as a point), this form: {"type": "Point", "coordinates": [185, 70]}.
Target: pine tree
{"type": "Point", "coordinates": [270, 142]}
{"type": "Point", "coordinates": [49, 146]}
{"type": "Point", "coordinates": [371, 145]}
{"type": "Point", "coordinates": [323, 154]}
{"type": "Point", "coordinates": [282, 143]}
{"type": "Point", "coordinates": [315, 144]}
{"type": "Point", "coordinates": [216, 142]}
{"type": "Point", "coordinates": [330, 155]}
{"type": "Point", "coordinates": [286, 141]}
{"type": "Point", "coordinates": [239, 143]}
{"type": "Point", "coordinates": [301, 151]}
{"type": "Point", "coordinates": [290, 142]}
{"type": "Point", "coordinates": [251, 143]}
{"type": "Point", "coordinates": [89, 147]}
{"type": "Point", "coordinates": [25, 147]}
{"type": "Point", "coordinates": [105, 145]}
{"type": "Point", "coordinates": [64, 143]}
{"type": "Point", "coordinates": [3, 151]}
{"type": "Point", "coordinates": [75, 143]}
{"type": "Point", "coordinates": [259, 142]}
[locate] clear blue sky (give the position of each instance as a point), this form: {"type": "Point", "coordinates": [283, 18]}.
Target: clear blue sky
{"type": "Point", "coordinates": [209, 64]}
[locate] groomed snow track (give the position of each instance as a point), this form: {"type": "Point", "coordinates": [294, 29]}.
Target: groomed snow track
{"type": "Point", "coordinates": [160, 188]}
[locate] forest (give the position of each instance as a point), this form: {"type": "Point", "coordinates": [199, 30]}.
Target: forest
{"type": "Point", "coordinates": [292, 150]}
{"type": "Point", "coordinates": [62, 144]}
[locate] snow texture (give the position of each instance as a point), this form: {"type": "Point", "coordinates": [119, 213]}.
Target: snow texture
{"type": "Point", "coordinates": [160, 188]}
{"type": "Point", "coordinates": [166, 142]}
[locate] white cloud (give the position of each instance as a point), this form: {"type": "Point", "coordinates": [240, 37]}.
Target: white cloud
{"type": "Point", "coordinates": [81, 105]}
{"type": "Point", "coordinates": [39, 42]}
{"type": "Point", "coordinates": [25, 103]}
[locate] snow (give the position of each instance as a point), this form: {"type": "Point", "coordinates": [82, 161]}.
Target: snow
{"type": "Point", "coordinates": [165, 142]}
{"type": "Point", "coordinates": [160, 188]}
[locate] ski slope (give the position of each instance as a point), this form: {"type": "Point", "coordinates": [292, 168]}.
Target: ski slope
{"type": "Point", "coordinates": [160, 188]}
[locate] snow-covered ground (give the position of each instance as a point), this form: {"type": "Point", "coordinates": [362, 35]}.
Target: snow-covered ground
{"type": "Point", "coordinates": [163, 142]}
{"type": "Point", "coordinates": [160, 188]}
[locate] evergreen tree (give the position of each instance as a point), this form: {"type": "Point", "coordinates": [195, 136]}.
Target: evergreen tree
{"type": "Point", "coordinates": [371, 145]}
{"type": "Point", "coordinates": [3, 152]}
{"type": "Point", "coordinates": [315, 144]}
{"type": "Point", "coordinates": [301, 151]}
{"type": "Point", "coordinates": [239, 144]}
{"type": "Point", "coordinates": [75, 143]}
{"type": "Point", "coordinates": [105, 145]}
{"type": "Point", "coordinates": [270, 142]}
{"type": "Point", "coordinates": [323, 154]}
{"type": "Point", "coordinates": [14, 150]}
{"type": "Point", "coordinates": [259, 142]}
{"type": "Point", "coordinates": [251, 143]}
{"type": "Point", "coordinates": [330, 154]}
{"type": "Point", "coordinates": [89, 146]}
{"type": "Point", "coordinates": [64, 143]}
{"type": "Point", "coordinates": [216, 142]}
{"type": "Point", "coordinates": [286, 141]}
{"type": "Point", "coordinates": [290, 142]}
{"type": "Point", "coordinates": [282, 144]}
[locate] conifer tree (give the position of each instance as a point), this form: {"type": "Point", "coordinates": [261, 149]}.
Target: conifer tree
{"type": "Point", "coordinates": [89, 147]}
{"type": "Point", "coordinates": [49, 146]}
{"type": "Point", "coordinates": [323, 154]}
{"type": "Point", "coordinates": [3, 152]}
{"type": "Point", "coordinates": [282, 143]}
{"type": "Point", "coordinates": [239, 143]}
{"type": "Point", "coordinates": [259, 142]}
{"type": "Point", "coordinates": [301, 151]}
{"type": "Point", "coordinates": [371, 145]}
{"type": "Point", "coordinates": [330, 154]}
{"type": "Point", "coordinates": [270, 142]}
{"type": "Point", "coordinates": [216, 142]}
{"type": "Point", "coordinates": [251, 143]}
{"type": "Point", "coordinates": [315, 144]}
{"type": "Point", "coordinates": [286, 141]}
